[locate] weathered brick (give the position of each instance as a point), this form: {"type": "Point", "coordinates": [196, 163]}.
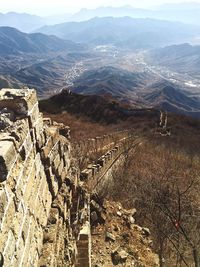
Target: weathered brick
{"type": "Point", "coordinates": [8, 216]}
{"type": "Point", "coordinates": [18, 220]}
{"type": "Point", "coordinates": [8, 155]}
{"type": "Point", "coordinates": [26, 193]}
{"type": "Point", "coordinates": [9, 248]}
{"type": "Point", "coordinates": [21, 101]}
{"type": "Point", "coordinates": [3, 203]}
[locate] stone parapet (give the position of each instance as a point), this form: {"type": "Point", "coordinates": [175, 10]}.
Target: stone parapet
{"type": "Point", "coordinates": [36, 183]}
{"type": "Point", "coordinates": [103, 143]}
{"type": "Point", "coordinates": [95, 172]}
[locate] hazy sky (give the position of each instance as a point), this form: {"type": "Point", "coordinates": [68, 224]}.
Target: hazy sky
{"type": "Point", "coordinates": [47, 7]}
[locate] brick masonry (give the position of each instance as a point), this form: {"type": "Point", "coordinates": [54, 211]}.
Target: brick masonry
{"type": "Point", "coordinates": [44, 204]}
{"type": "Point", "coordinates": [37, 185]}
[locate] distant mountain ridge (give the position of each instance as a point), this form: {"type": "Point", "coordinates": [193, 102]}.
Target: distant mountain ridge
{"type": "Point", "coordinates": [109, 80]}
{"type": "Point", "coordinates": [172, 99]}
{"type": "Point", "coordinates": [182, 12]}
{"type": "Point", "coordinates": [22, 21]}
{"type": "Point", "coordinates": [124, 32]}
{"type": "Point", "coordinates": [185, 12]}
{"type": "Point", "coordinates": [123, 11]}
{"type": "Point", "coordinates": [13, 42]}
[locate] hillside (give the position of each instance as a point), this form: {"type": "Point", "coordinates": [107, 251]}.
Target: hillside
{"type": "Point", "coordinates": [14, 42]}
{"type": "Point", "coordinates": [135, 177]}
{"type": "Point", "coordinates": [139, 89]}
{"type": "Point", "coordinates": [89, 116]}
{"type": "Point", "coordinates": [183, 58]}
{"type": "Point", "coordinates": [8, 82]}
{"type": "Point", "coordinates": [123, 32]}
{"type": "Point", "coordinates": [97, 108]}
{"type": "Point", "coordinates": [36, 60]}
{"type": "Point", "coordinates": [116, 82]}
{"type": "Point", "coordinates": [170, 98]}
{"type": "Point", "coordinates": [152, 172]}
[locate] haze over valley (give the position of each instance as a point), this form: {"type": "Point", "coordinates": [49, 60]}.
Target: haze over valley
{"type": "Point", "coordinates": [142, 57]}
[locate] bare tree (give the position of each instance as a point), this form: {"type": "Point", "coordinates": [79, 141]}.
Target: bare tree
{"type": "Point", "coordinates": [163, 185]}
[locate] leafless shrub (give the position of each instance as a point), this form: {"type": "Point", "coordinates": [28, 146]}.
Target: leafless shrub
{"type": "Point", "coordinates": [163, 184]}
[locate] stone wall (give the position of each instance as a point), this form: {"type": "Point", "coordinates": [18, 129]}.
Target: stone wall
{"type": "Point", "coordinates": [102, 142]}
{"type": "Point", "coordinates": [44, 202]}
{"type": "Point", "coordinates": [97, 173]}
{"type": "Point", "coordinates": [38, 185]}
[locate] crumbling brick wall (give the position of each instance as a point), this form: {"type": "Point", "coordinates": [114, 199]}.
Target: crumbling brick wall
{"type": "Point", "coordinates": [44, 206]}
{"type": "Point", "coordinates": [37, 184]}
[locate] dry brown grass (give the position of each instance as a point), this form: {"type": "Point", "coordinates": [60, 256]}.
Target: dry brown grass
{"type": "Point", "coordinates": [83, 128]}
{"type": "Point", "coordinates": [151, 181]}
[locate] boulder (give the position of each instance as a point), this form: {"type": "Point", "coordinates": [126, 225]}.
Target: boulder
{"type": "Point", "coordinates": [131, 220]}
{"type": "Point", "coordinates": [110, 237]}
{"type": "Point", "coordinates": [94, 217]}
{"type": "Point", "coordinates": [119, 213]}
{"type": "Point", "coordinates": [119, 256]}
{"type": "Point", "coordinates": [146, 232]}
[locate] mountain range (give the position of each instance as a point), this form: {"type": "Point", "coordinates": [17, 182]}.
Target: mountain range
{"type": "Point", "coordinates": [13, 42]}
{"type": "Point", "coordinates": [183, 58]}
{"type": "Point", "coordinates": [182, 12]}
{"type": "Point", "coordinates": [124, 32]}
{"type": "Point", "coordinates": [110, 80]}
{"type": "Point", "coordinates": [140, 90]}
{"type": "Point", "coordinates": [172, 99]}
{"type": "Point", "coordinates": [47, 62]}
{"type": "Point", "coordinates": [35, 60]}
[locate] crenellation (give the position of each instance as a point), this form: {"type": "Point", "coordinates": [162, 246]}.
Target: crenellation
{"type": "Point", "coordinates": [94, 173]}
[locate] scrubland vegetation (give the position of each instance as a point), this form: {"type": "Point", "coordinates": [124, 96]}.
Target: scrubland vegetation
{"type": "Point", "coordinates": [163, 184]}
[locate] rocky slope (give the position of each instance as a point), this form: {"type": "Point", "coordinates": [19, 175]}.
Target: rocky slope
{"type": "Point", "coordinates": [119, 241]}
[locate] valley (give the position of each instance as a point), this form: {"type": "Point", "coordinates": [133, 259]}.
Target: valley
{"type": "Point", "coordinates": [125, 75]}
{"type": "Point", "coordinates": [135, 62]}
{"type": "Point", "coordinates": [147, 76]}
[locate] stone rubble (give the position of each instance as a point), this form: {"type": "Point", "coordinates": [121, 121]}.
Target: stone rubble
{"type": "Point", "coordinates": [115, 243]}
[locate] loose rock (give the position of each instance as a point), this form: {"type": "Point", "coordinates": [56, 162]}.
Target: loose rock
{"type": "Point", "coordinates": [94, 217]}
{"type": "Point", "coordinates": [119, 256]}
{"type": "Point", "coordinates": [146, 231]}
{"type": "Point", "coordinates": [110, 237]}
